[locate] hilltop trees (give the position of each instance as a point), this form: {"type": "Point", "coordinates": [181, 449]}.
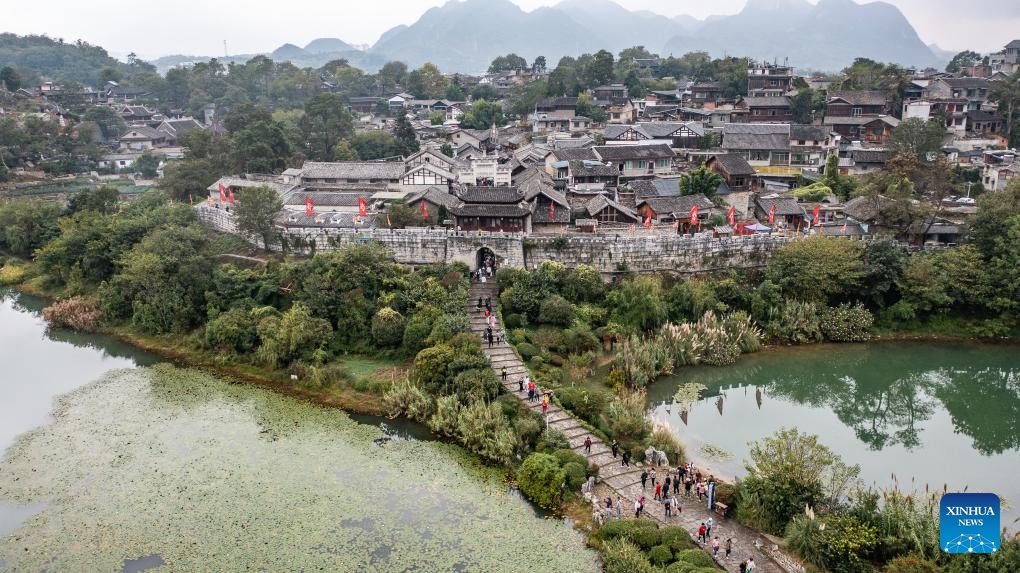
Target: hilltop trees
{"type": "Point", "coordinates": [255, 211]}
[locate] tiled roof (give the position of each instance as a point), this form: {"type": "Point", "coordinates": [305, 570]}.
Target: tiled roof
{"type": "Point", "coordinates": [327, 199]}
{"type": "Point", "coordinates": [434, 195]}
{"type": "Point", "coordinates": [625, 152]}
{"type": "Point", "coordinates": [808, 132]}
{"type": "Point", "coordinates": [967, 83]}
{"type": "Point", "coordinates": [571, 154]}
{"type": "Point", "coordinates": [491, 195]}
{"type": "Point", "coordinates": [383, 170]}
{"type": "Point", "coordinates": [981, 115]}
{"type": "Point", "coordinates": [859, 97]}
{"type": "Point", "coordinates": [734, 164]}
{"type": "Point", "coordinates": [681, 205]}
{"type": "Point", "coordinates": [497, 210]}
{"type": "Point", "coordinates": [592, 168]}
{"type": "Point", "coordinates": [769, 101]}
{"type": "Point", "coordinates": [540, 213]}
{"type": "Point", "coordinates": [616, 130]}
{"type": "Point", "coordinates": [573, 142]}
{"type": "Point", "coordinates": [600, 202]}
{"type": "Point", "coordinates": [870, 155]}
{"type": "Point", "coordinates": [762, 136]}
{"type": "Point", "coordinates": [784, 205]}
{"type": "Point", "coordinates": [237, 182]}
{"type": "Point", "coordinates": [644, 188]}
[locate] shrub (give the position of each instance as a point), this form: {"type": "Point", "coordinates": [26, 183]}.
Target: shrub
{"type": "Point", "coordinates": [75, 313]}
{"type": "Point", "coordinates": [552, 440]}
{"type": "Point", "coordinates": [476, 384]}
{"type": "Point", "coordinates": [587, 404]}
{"type": "Point", "coordinates": [548, 338]}
{"type": "Point", "coordinates": [484, 430]}
{"type": "Point", "coordinates": [695, 557]}
{"type": "Point", "coordinates": [405, 397]}
{"type": "Point", "coordinates": [619, 556]}
{"type": "Point", "coordinates": [797, 323]}
{"type": "Point", "coordinates": [513, 320]}
{"type": "Point", "coordinates": [665, 440]}
{"type": "Point", "coordinates": [417, 331]}
{"type": "Point", "coordinates": [911, 565]}
{"type": "Point", "coordinates": [444, 419]}
{"type": "Point", "coordinates": [528, 428]}
{"type": "Point", "coordinates": [429, 370]}
{"type": "Point", "coordinates": [388, 327]}
{"type": "Point", "coordinates": [575, 475]}
{"type": "Point", "coordinates": [647, 538]}
{"type": "Point", "coordinates": [627, 420]}
{"type": "Point", "coordinates": [660, 555]}
{"type": "Point", "coordinates": [556, 310]}
{"type": "Point", "coordinates": [293, 335]}
{"type": "Point", "coordinates": [233, 329]}
{"type": "Point", "coordinates": [541, 480]}
{"type": "Point", "coordinates": [846, 323]}
{"type": "Point", "coordinates": [677, 538]}
{"type": "Point", "coordinates": [446, 326]}
{"type": "Point", "coordinates": [624, 529]}
{"type": "Point", "coordinates": [528, 350]}
{"type": "Point", "coordinates": [11, 274]}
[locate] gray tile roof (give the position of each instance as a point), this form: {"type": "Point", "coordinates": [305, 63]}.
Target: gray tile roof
{"type": "Point", "coordinates": [576, 153]}
{"type": "Point", "coordinates": [327, 199]}
{"type": "Point", "coordinates": [491, 195]}
{"type": "Point", "coordinates": [281, 188]}
{"type": "Point", "coordinates": [767, 101]}
{"type": "Point", "coordinates": [434, 195]}
{"type": "Point", "coordinates": [497, 210]}
{"type": "Point", "coordinates": [784, 205]}
{"type": "Point", "coordinates": [626, 152]}
{"type": "Point", "coordinates": [645, 188]}
{"type": "Point", "coordinates": [808, 132]}
{"type": "Point", "coordinates": [859, 97]}
{"type": "Point", "coordinates": [680, 205]}
{"type": "Point", "coordinates": [759, 136]}
{"type": "Point", "coordinates": [870, 155]}
{"type": "Point", "coordinates": [968, 83]}
{"type": "Point", "coordinates": [382, 170]}
{"type": "Point", "coordinates": [592, 168]}
{"type": "Point", "coordinates": [600, 202]}
{"type": "Point", "coordinates": [733, 164]}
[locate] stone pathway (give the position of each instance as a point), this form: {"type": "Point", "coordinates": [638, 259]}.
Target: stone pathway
{"type": "Point", "coordinates": [625, 482]}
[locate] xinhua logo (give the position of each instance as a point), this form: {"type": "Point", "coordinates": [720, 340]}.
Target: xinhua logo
{"type": "Point", "coordinates": [969, 523]}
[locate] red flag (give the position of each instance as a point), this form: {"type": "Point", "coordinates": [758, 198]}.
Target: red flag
{"type": "Point", "coordinates": [772, 214]}
{"type": "Point", "coordinates": [694, 215]}
{"type": "Point", "coordinates": [230, 196]}
{"type": "Point", "coordinates": [814, 213]}
{"type": "Point", "coordinates": [552, 210]}
{"type": "Point", "coordinates": [732, 215]}
{"type": "Point", "coordinates": [424, 210]}
{"type": "Point", "coordinates": [362, 206]}
{"type": "Point", "coordinates": [223, 193]}
{"type": "Point", "coordinates": [309, 208]}
{"type": "Point", "coordinates": [648, 222]}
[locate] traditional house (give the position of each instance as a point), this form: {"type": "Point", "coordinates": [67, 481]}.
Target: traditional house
{"type": "Point", "coordinates": [788, 212]}
{"type": "Point", "coordinates": [558, 158]}
{"type": "Point", "coordinates": [608, 212]}
{"type": "Point", "coordinates": [761, 144]}
{"type": "Point", "coordinates": [638, 160]}
{"type": "Point", "coordinates": [317, 175]}
{"type": "Point", "coordinates": [501, 209]}
{"type": "Point", "coordinates": [857, 103]}
{"type": "Point", "coordinates": [736, 172]}
{"type": "Point", "coordinates": [705, 92]}
{"type": "Point", "coordinates": [142, 137]}
{"type": "Point", "coordinates": [773, 109]}
{"type": "Point", "coordinates": [675, 134]}
{"type": "Point", "coordinates": [669, 209]}
{"type": "Point", "coordinates": [137, 114]}
{"type": "Point", "coordinates": [771, 78]}
{"type": "Point", "coordinates": [438, 203]}
{"type": "Point", "coordinates": [864, 128]}
{"type": "Point", "coordinates": [984, 122]}
{"type": "Point", "coordinates": [999, 167]}
{"type": "Point", "coordinates": [589, 174]}
{"type": "Point", "coordinates": [973, 90]}
{"type": "Point", "coordinates": [364, 104]}
{"type": "Point", "coordinates": [621, 110]}
{"type": "Point", "coordinates": [867, 160]}
{"type": "Point", "coordinates": [612, 91]}
{"type": "Point", "coordinates": [561, 106]}
{"type": "Point", "coordinates": [550, 210]}
{"type": "Point", "coordinates": [479, 138]}
{"type": "Point", "coordinates": [809, 145]}
{"type": "Point", "coordinates": [174, 129]}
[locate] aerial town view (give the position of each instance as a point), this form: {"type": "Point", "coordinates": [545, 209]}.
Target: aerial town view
{"type": "Point", "coordinates": [565, 286]}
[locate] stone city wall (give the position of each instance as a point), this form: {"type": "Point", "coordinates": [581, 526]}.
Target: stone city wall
{"type": "Point", "coordinates": [609, 253]}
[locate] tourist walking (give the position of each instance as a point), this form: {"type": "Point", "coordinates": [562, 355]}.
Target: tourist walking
{"type": "Point", "coordinates": [619, 509]}
{"type": "Point", "coordinates": [615, 447]}
{"type": "Point", "coordinates": [531, 390]}
{"type": "Point", "coordinates": [676, 484]}
{"type": "Point", "coordinates": [651, 475]}
{"type": "Point", "coordinates": [520, 385]}
{"type": "Point", "coordinates": [502, 372]}
{"type": "Point", "coordinates": [491, 339]}
{"type": "Point", "coordinates": [750, 565]}
{"type": "Point", "coordinates": [676, 506]}
{"type": "Point", "coordinates": [587, 444]}
{"type": "Point", "coordinates": [701, 533]}
{"type": "Point", "coordinates": [665, 484]}
{"type": "Point", "coordinates": [729, 547]}
{"type": "Point", "coordinates": [743, 567]}
{"type": "Point", "coordinates": [708, 526]}
{"type": "Point", "coordinates": [488, 304]}
{"type": "Point", "coordinates": [658, 491]}
{"type": "Point", "coordinates": [479, 305]}
{"type": "Point", "coordinates": [715, 546]}
{"type": "Point", "coordinates": [687, 486]}
{"type": "Point", "coordinates": [644, 479]}
{"type": "Point", "coordinates": [626, 458]}
{"type": "Point", "coordinates": [637, 509]}
{"type": "Point", "coordinates": [669, 508]}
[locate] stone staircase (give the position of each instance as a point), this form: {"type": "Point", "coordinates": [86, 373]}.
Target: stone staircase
{"type": "Point", "coordinates": [623, 481]}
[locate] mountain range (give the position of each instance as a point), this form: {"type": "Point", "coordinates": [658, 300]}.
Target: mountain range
{"type": "Point", "coordinates": [465, 36]}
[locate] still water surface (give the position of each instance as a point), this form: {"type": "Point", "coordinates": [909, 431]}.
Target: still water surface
{"type": "Point", "coordinates": [937, 413]}
{"type": "Point", "coordinates": [113, 462]}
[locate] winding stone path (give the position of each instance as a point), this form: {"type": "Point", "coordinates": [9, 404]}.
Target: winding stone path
{"type": "Point", "coordinates": [625, 482]}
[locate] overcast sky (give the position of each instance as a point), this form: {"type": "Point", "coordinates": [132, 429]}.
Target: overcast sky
{"type": "Point", "coordinates": [199, 27]}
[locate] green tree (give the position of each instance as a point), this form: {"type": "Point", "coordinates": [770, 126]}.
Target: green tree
{"type": "Point", "coordinates": [541, 480]}
{"type": "Point", "coordinates": [701, 180]}
{"type": "Point", "coordinates": [446, 149]}
{"type": "Point", "coordinates": [369, 145]}
{"type": "Point", "coordinates": [917, 137]}
{"type": "Point", "coordinates": [426, 82]}
{"type": "Point", "coordinates": [344, 151]}
{"type": "Point", "coordinates": [483, 115]}
{"type": "Point", "coordinates": [294, 335]}
{"type": "Point", "coordinates": [10, 79]}
{"type": "Point", "coordinates": [403, 131]}
{"type": "Point", "coordinates": [586, 107]}
{"type": "Point", "coordinates": [326, 121]}
{"type": "Point", "coordinates": [507, 63]}
{"type": "Point", "coordinates": [538, 66]}
{"type": "Point", "coordinates": [1006, 94]}
{"type": "Point", "coordinates": [261, 147]}
{"type": "Point", "coordinates": [26, 226]}
{"type": "Point", "coordinates": [391, 74]}
{"type": "Point", "coordinates": [147, 164]}
{"type": "Point", "coordinates": [111, 123]}
{"type": "Point", "coordinates": [256, 210]}
{"type": "Point", "coordinates": [101, 200]}
{"type": "Point", "coordinates": [962, 60]}
{"type": "Point", "coordinates": [637, 303]}
{"type": "Point", "coordinates": [788, 471]}
{"type": "Point", "coordinates": [817, 269]}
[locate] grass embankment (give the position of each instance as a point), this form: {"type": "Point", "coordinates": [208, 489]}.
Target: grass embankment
{"type": "Point", "coordinates": [370, 377]}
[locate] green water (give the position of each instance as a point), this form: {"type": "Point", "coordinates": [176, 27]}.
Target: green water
{"type": "Point", "coordinates": [938, 414]}
{"type": "Point", "coordinates": [170, 468]}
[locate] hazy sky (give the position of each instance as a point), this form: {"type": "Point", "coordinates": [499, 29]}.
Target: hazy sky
{"type": "Point", "coordinates": [199, 27]}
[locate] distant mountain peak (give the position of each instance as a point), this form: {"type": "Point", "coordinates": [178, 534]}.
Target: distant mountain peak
{"type": "Point", "coordinates": [327, 45]}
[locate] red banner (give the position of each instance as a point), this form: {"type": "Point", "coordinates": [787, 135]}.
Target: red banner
{"type": "Point", "coordinates": [424, 210]}
{"type": "Point", "coordinates": [772, 214]}
{"type": "Point", "coordinates": [814, 220]}
{"type": "Point", "coordinates": [223, 193]}
{"type": "Point", "coordinates": [230, 195]}
{"type": "Point", "coordinates": [309, 208]}
{"type": "Point", "coordinates": [362, 207]}
{"type": "Point", "coordinates": [694, 215]}
{"type": "Point", "coordinates": [731, 215]}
